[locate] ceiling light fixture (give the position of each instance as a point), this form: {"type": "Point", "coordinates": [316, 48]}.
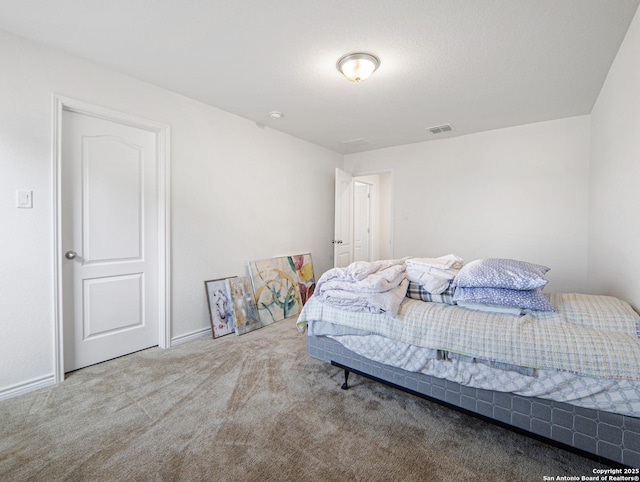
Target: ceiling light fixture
{"type": "Point", "coordinates": [358, 67]}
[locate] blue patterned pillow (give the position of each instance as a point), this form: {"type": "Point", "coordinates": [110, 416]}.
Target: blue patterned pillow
{"type": "Point", "coordinates": [527, 299]}
{"type": "Point", "coordinates": [501, 273]}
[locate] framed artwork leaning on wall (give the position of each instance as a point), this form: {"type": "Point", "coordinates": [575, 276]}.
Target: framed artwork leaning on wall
{"type": "Point", "coordinates": [244, 305]}
{"type": "Point", "coordinates": [221, 311]}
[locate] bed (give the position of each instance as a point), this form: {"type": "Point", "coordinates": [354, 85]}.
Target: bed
{"type": "Point", "coordinates": [570, 377]}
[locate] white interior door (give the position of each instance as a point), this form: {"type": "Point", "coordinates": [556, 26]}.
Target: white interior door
{"type": "Point", "coordinates": [361, 222]}
{"type": "Point", "coordinates": [343, 232]}
{"type": "Point", "coordinates": [109, 235]}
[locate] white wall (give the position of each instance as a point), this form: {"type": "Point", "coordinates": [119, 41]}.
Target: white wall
{"type": "Point", "coordinates": [520, 192]}
{"type": "Point", "coordinates": [239, 192]}
{"type": "Point", "coordinates": [614, 208]}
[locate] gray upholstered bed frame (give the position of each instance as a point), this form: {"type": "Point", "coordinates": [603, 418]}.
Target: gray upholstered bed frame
{"type": "Point", "coordinates": [610, 438]}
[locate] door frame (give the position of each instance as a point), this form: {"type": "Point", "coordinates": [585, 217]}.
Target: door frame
{"type": "Point", "coordinates": [369, 221]}
{"type": "Point", "coordinates": [391, 173]}
{"type": "Point", "coordinates": [162, 131]}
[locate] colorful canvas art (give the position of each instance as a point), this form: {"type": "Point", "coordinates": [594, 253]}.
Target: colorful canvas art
{"type": "Point", "coordinates": [220, 307]}
{"type": "Point", "coordinates": [244, 305]}
{"type": "Point", "coordinates": [276, 289]}
{"type": "Point", "coordinates": [303, 266]}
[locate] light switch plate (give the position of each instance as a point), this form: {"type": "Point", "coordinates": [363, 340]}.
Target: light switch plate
{"type": "Point", "coordinates": [24, 199]}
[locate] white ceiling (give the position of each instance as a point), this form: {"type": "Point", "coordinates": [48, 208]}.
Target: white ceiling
{"type": "Point", "coordinates": [475, 64]}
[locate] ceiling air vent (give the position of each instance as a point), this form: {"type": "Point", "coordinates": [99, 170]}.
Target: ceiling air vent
{"type": "Point", "coordinates": [355, 145]}
{"type": "Point", "coordinates": [359, 142]}
{"type": "Point", "coordinates": [439, 129]}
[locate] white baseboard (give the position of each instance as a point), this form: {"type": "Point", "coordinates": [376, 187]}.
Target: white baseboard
{"type": "Point", "coordinates": [179, 340]}
{"type": "Point", "coordinates": [25, 387]}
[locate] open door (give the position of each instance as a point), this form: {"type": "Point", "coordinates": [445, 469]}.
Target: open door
{"type": "Point", "coordinates": [343, 233]}
{"type": "Point", "coordinates": [361, 221]}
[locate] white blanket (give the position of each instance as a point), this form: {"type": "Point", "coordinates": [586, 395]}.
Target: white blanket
{"type": "Point", "coordinates": [450, 261]}
{"type": "Point", "coordinates": [363, 277]}
{"type": "Point", "coordinates": [374, 283]}
{"type": "Point", "coordinates": [433, 274]}
{"type": "Point", "coordinates": [372, 302]}
{"type": "Point", "coordinates": [435, 281]}
{"type": "Point", "coordinates": [377, 287]}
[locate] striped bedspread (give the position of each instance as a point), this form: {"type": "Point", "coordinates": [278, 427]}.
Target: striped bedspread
{"type": "Point", "coordinates": [572, 339]}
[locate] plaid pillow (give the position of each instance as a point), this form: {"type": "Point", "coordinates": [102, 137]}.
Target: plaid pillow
{"type": "Point", "coordinates": [417, 292]}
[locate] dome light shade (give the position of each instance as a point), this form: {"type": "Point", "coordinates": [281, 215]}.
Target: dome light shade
{"type": "Point", "coordinates": [358, 67]}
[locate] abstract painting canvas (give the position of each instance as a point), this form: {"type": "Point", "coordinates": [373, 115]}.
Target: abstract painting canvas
{"type": "Point", "coordinates": [276, 289]}
{"type": "Point", "coordinates": [220, 307]}
{"type": "Point", "coordinates": [244, 305]}
{"type": "Point", "coordinates": [303, 266]}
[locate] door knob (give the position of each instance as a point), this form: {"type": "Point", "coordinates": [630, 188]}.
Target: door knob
{"type": "Point", "coordinates": [70, 254]}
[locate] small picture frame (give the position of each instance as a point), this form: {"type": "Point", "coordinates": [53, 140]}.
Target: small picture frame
{"type": "Point", "coordinates": [221, 312]}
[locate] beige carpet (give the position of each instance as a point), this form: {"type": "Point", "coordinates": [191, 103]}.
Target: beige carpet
{"type": "Point", "coordinates": [256, 408]}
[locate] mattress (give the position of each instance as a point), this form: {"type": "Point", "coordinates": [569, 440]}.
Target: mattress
{"type": "Point", "coordinates": [586, 353]}
{"type": "Point", "coordinates": [571, 340]}
{"type": "Point", "coordinates": [611, 395]}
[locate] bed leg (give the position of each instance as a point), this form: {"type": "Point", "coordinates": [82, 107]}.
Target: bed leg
{"type": "Point", "coordinates": [346, 379]}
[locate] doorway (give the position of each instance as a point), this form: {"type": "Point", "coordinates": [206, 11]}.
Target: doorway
{"type": "Point", "coordinates": [374, 209]}
{"type": "Point", "coordinates": [363, 210]}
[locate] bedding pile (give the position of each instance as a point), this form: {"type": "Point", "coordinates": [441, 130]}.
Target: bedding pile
{"type": "Point", "coordinates": [505, 334]}
{"type": "Point", "coordinates": [370, 287]}
{"type": "Point", "coordinates": [588, 335]}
